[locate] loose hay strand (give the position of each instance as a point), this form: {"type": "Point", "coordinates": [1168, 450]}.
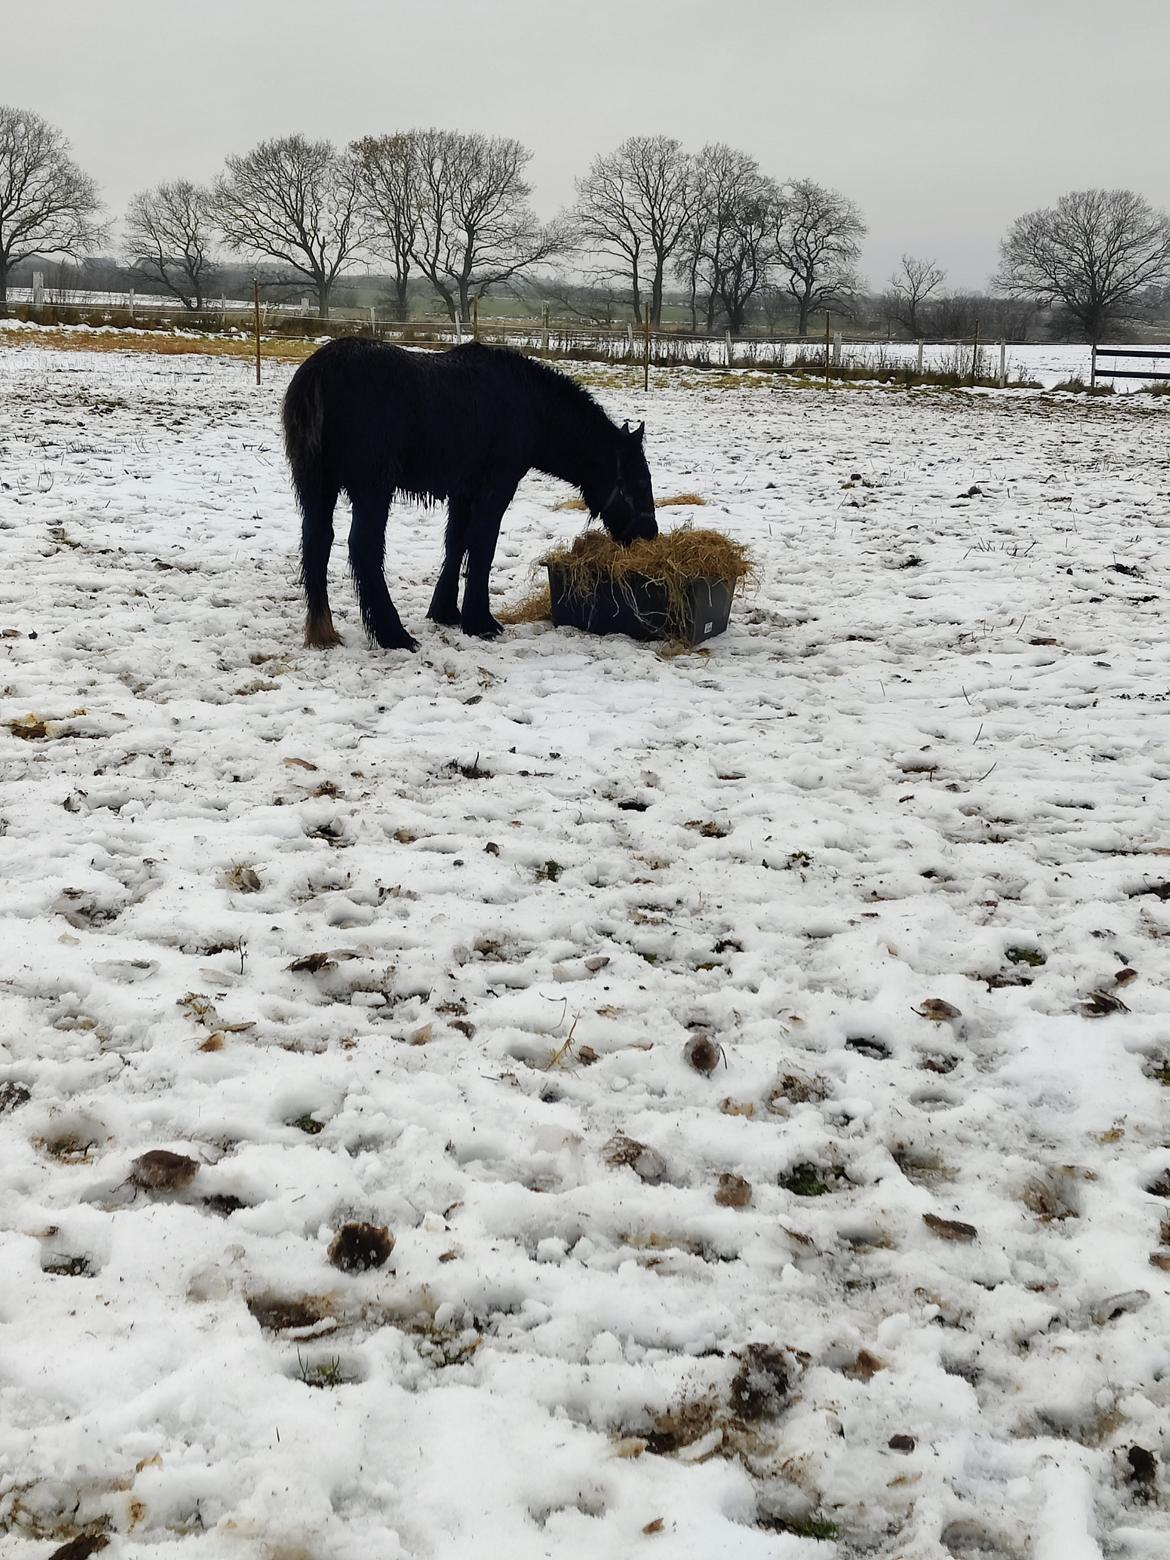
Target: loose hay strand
{"type": "Point", "coordinates": [536, 607]}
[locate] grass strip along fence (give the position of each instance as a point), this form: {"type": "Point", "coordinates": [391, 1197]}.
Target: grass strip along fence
{"type": "Point", "coordinates": [291, 337]}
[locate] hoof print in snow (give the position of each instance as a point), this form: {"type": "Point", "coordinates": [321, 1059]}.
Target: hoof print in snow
{"type": "Point", "coordinates": [327, 1370]}
{"type": "Point", "coordinates": [949, 1229]}
{"type": "Point", "coordinates": [683, 1426]}
{"type": "Point", "coordinates": [13, 1096]}
{"type": "Point", "coordinates": [760, 1387]}
{"type": "Point", "coordinates": [733, 1191]}
{"type": "Point", "coordinates": [809, 1180]}
{"type": "Point", "coordinates": [275, 1314]}
{"type": "Point", "coordinates": [356, 1248]}
{"type": "Point", "coordinates": [224, 1204]}
{"type": "Point", "coordinates": [1142, 1471]}
{"type": "Point", "coordinates": [795, 1089]}
{"type": "Point", "coordinates": [160, 1170]}
{"type": "Point", "coordinates": [703, 1054]}
{"type": "Point", "coordinates": [646, 1163]}
{"type": "Point", "coordinates": [1109, 1309]}
{"type": "Point", "coordinates": [58, 1265]}
{"type": "Point", "coordinates": [864, 1045]}
{"type": "Point", "coordinates": [81, 1548]}
{"type": "Point", "coordinates": [938, 1010]}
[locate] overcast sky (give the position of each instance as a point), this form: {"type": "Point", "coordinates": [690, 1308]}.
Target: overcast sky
{"type": "Point", "coordinates": [943, 119]}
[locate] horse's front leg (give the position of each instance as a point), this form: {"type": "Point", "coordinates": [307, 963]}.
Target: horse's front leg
{"type": "Point", "coordinates": [483, 532]}
{"type": "Point", "coordinates": [444, 606]}
{"type": "Point", "coordinates": [367, 541]}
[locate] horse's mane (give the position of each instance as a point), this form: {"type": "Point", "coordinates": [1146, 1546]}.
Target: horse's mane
{"type": "Point", "coordinates": [551, 381]}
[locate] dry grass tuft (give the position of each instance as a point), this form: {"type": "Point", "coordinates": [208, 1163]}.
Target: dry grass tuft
{"type": "Point", "coordinates": [162, 343]}
{"type": "Point", "coordinates": [536, 607]}
{"type": "Point", "coordinates": [676, 501]}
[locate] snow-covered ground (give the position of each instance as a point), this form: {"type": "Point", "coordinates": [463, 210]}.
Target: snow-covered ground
{"type": "Point", "coordinates": [434, 943]}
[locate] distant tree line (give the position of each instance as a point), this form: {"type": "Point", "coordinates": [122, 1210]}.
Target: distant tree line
{"type": "Point", "coordinates": [447, 216]}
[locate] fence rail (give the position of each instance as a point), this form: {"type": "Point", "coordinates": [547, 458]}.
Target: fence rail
{"type": "Point", "coordinates": [1159, 353]}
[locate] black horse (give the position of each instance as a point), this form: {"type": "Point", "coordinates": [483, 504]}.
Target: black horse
{"type": "Point", "coordinates": [463, 425]}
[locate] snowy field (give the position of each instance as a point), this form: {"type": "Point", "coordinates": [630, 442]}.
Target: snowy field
{"type": "Point", "coordinates": [757, 1058]}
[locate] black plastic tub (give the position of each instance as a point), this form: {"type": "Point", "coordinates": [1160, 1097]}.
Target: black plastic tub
{"type": "Point", "coordinates": [640, 608]}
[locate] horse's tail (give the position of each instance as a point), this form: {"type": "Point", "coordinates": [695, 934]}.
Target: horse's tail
{"type": "Point", "coordinates": [303, 416]}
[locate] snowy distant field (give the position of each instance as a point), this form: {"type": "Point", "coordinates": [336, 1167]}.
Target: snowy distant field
{"type": "Point", "coordinates": [422, 942]}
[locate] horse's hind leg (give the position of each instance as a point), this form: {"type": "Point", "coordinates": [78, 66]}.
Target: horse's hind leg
{"type": "Point", "coordinates": [482, 534]}
{"type": "Point", "coordinates": [367, 541]}
{"type": "Point", "coordinates": [444, 607]}
{"type": "Point", "coordinates": [316, 542]}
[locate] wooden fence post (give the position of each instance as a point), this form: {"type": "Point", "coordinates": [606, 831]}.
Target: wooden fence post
{"type": "Point", "coordinates": [373, 321]}
{"type": "Point", "coordinates": [646, 354]}
{"type": "Point", "coordinates": [475, 319]}
{"type": "Point", "coordinates": [1002, 378]}
{"type": "Point", "coordinates": [544, 328]}
{"type": "Point", "coordinates": [975, 354]}
{"type": "Point", "coordinates": [728, 334]}
{"type": "Point", "coordinates": [918, 366]}
{"type": "Point", "coordinates": [1093, 366]}
{"type": "Point", "coordinates": [826, 347]}
{"type": "Point", "coordinates": [131, 305]}
{"type": "Point", "coordinates": [837, 349]}
{"type": "Point", "coordinates": [256, 311]}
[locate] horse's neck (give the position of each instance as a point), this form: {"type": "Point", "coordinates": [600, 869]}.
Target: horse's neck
{"type": "Point", "coordinates": [580, 447]}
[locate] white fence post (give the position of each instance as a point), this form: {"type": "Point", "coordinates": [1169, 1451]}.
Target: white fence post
{"type": "Point", "coordinates": [836, 349]}
{"type": "Point", "coordinates": [1002, 377]}
{"type": "Point", "coordinates": [38, 290]}
{"type": "Point", "coordinates": [458, 327]}
{"type": "Point", "coordinates": [918, 367]}
{"type": "Point", "coordinates": [373, 321]}
{"type": "Point", "coordinates": [544, 328]}
{"type": "Point", "coordinates": [131, 303]}
{"type": "Point", "coordinates": [728, 335]}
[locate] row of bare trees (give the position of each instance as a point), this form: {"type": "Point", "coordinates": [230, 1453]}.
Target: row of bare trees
{"type": "Point", "coordinates": [718, 224]}
{"type": "Point", "coordinates": [454, 210]}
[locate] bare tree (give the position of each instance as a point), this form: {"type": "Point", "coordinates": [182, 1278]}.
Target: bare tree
{"type": "Point", "coordinates": [386, 178]}
{"type": "Point", "coordinates": [47, 204]}
{"type": "Point", "coordinates": [1090, 253]}
{"type": "Point", "coordinates": [910, 286]}
{"type": "Point", "coordinates": [475, 229]}
{"type": "Point", "coordinates": [818, 239]}
{"type": "Point", "coordinates": [296, 201]}
{"type": "Point", "coordinates": [633, 208]}
{"type": "Point", "coordinates": [727, 247]}
{"type": "Point", "coordinates": [168, 237]}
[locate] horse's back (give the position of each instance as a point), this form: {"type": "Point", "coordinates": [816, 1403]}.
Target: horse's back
{"type": "Point", "coordinates": [420, 422]}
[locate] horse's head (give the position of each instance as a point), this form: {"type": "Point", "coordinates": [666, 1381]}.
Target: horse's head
{"type": "Point", "coordinates": [628, 512]}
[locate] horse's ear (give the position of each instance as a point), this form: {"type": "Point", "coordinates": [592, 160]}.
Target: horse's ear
{"type": "Point", "coordinates": [626, 428]}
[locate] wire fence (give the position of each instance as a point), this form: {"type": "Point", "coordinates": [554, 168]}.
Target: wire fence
{"type": "Point", "coordinates": [666, 346]}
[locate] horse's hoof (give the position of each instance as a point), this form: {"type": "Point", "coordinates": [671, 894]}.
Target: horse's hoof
{"type": "Point", "coordinates": [488, 629]}
{"type": "Point", "coordinates": [406, 642]}
{"type": "Point", "coordinates": [449, 618]}
{"type": "Point", "coordinates": [321, 636]}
